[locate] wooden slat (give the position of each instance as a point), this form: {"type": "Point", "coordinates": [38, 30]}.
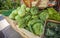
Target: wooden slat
{"type": "Point", "coordinates": [53, 21]}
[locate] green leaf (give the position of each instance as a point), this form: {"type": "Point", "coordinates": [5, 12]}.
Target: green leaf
{"type": "Point", "coordinates": [38, 28]}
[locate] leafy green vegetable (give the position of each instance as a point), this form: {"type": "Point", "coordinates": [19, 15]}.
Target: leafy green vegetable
{"type": "Point", "coordinates": [21, 21]}
{"type": "Point", "coordinates": [13, 14]}
{"type": "Point", "coordinates": [44, 15]}
{"type": "Point", "coordinates": [27, 9]}
{"type": "Point", "coordinates": [34, 24]}
{"type": "Point", "coordinates": [52, 11]}
{"type": "Point", "coordinates": [27, 18]}
{"type": "Point", "coordinates": [22, 11]}
{"type": "Point", "coordinates": [53, 14]}
{"type": "Point", "coordinates": [52, 30]}
{"type": "Point", "coordinates": [38, 28]}
{"type": "Point", "coordinates": [34, 10]}
{"type": "Point", "coordinates": [50, 33]}
{"type": "Point", "coordinates": [35, 17]}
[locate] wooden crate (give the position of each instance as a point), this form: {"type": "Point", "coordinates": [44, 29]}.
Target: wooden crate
{"type": "Point", "coordinates": [23, 32]}
{"type": "Point", "coordinates": [53, 21]}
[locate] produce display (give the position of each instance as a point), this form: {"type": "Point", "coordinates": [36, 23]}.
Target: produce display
{"type": "Point", "coordinates": [33, 19]}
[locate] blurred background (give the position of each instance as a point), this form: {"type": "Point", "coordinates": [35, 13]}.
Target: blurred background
{"type": "Point", "coordinates": [9, 4]}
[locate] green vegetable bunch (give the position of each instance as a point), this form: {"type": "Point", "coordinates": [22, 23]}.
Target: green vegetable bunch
{"type": "Point", "coordinates": [32, 19]}
{"type": "Point", "coordinates": [54, 15]}
{"type": "Point", "coordinates": [36, 25]}
{"type": "Point", "coordinates": [28, 18]}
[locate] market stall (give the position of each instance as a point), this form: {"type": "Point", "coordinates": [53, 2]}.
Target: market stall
{"type": "Point", "coordinates": [35, 18]}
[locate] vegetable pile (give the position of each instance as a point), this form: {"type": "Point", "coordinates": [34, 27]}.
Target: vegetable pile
{"type": "Point", "coordinates": [52, 30]}
{"type": "Point", "coordinates": [32, 19]}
